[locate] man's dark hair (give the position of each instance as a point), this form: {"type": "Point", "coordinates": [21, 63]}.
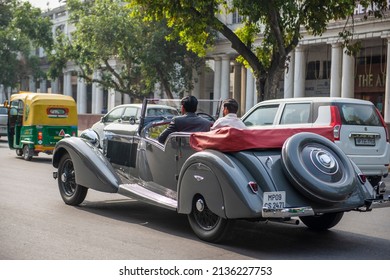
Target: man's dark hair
{"type": "Point", "coordinates": [190, 103]}
{"type": "Point", "coordinates": [231, 105]}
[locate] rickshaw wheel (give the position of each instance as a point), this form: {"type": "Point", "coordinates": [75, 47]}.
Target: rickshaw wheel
{"type": "Point", "coordinates": [19, 152]}
{"type": "Point", "coordinates": [27, 153]}
{"type": "Point", "coordinates": [71, 192]}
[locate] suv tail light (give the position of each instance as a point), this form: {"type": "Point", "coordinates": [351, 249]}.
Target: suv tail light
{"type": "Point", "coordinates": [335, 122]}
{"type": "Point", "coordinates": [383, 123]}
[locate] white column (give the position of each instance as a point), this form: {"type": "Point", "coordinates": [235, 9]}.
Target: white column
{"type": "Point", "coordinates": [54, 86]}
{"type": "Point", "coordinates": [225, 77]}
{"type": "Point", "coordinates": [249, 90]}
{"type": "Point", "coordinates": [237, 81]}
{"type": "Point", "coordinates": [289, 77]}
{"type": "Point", "coordinates": [336, 70]}
{"type": "Point", "coordinates": [43, 86]}
{"type": "Point", "coordinates": [217, 78]}
{"type": "Point", "coordinates": [97, 94]}
{"type": "Point", "coordinates": [68, 83]}
{"type": "Point", "coordinates": [255, 93]}
{"type": "Point", "coordinates": [126, 99]}
{"type": "Point", "coordinates": [348, 74]}
{"type": "Point", "coordinates": [2, 93]}
{"type": "Point", "coordinates": [299, 72]}
{"type": "Point", "coordinates": [387, 87]}
{"type": "Point", "coordinates": [81, 96]}
{"type": "Point", "coordinates": [196, 80]}
{"type": "Point", "coordinates": [111, 99]}
{"type": "Point", "coordinates": [31, 84]}
{"type": "Point", "coordinates": [243, 90]}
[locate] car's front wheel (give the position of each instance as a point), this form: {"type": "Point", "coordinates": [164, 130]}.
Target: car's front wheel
{"type": "Point", "coordinates": [322, 222]}
{"type": "Point", "coordinates": [71, 193]}
{"type": "Point", "coordinates": [207, 225]}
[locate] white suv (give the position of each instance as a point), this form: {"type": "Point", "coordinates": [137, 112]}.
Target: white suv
{"type": "Point", "coordinates": [358, 127]}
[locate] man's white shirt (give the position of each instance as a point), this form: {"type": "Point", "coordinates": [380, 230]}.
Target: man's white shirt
{"type": "Point", "coordinates": [230, 120]}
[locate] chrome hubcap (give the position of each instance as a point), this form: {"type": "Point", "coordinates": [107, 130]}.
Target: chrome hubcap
{"type": "Point", "coordinates": [63, 177]}
{"type": "Point", "coordinates": [199, 205]}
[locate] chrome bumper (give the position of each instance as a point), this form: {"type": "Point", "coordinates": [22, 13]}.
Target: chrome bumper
{"type": "Point", "coordinates": [377, 203]}
{"type": "Point", "coordinates": [287, 212]}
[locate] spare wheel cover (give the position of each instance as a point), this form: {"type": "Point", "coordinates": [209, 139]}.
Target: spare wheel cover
{"type": "Point", "coordinates": [318, 168]}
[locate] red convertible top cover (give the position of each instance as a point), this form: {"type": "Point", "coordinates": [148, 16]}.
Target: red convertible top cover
{"type": "Point", "coordinates": [228, 139]}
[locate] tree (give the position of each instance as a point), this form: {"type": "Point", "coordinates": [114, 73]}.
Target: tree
{"type": "Point", "coordinates": [22, 28]}
{"type": "Point", "coordinates": [131, 55]}
{"type": "Point", "coordinates": [278, 23]}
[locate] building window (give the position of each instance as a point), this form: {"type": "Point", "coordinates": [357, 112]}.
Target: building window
{"type": "Point", "coordinates": [236, 18]}
{"type": "Point", "coordinates": [313, 70]}
{"type": "Point", "coordinates": [326, 66]}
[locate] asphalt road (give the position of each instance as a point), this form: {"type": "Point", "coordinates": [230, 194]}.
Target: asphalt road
{"type": "Point", "coordinates": [37, 225]}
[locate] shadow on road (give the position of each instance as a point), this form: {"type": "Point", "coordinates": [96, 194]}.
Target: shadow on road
{"type": "Point", "coordinates": [259, 240]}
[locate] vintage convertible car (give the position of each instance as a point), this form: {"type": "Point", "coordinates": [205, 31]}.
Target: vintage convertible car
{"type": "Point", "coordinates": [220, 176]}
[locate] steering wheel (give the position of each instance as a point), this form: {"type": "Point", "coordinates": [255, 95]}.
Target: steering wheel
{"type": "Point", "coordinates": [206, 116]}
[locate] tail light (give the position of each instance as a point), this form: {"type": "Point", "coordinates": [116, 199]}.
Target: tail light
{"type": "Point", "coordinates": [335, 122]}
{"type": "Point", "coordinates": [362, 178]}
{"type": "Point", "coordinates": [40, 135]}
{"type": "Point", "coordinates": [253, 187]}
{"type": "Point", "coordinates": [383, 123]}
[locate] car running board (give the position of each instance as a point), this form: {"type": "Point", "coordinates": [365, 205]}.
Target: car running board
{"type": "Point", "coordinates": [142, 194]}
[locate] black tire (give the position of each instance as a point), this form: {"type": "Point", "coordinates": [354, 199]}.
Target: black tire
{"type": "Point", "coordinates": [374, 180]}
{"type": "Point", "coordinates": [19, 152]}
{"type": "Point", "coordinates": [318, 168]}
{"type": "Point", "coordinates": [71, 193]}
{"type": "Point", "coordinates": [27, 153]}
{"type": "Point", "coordinates": [207, 225]}
{"type": "Point", "coordinates": [322, 222]}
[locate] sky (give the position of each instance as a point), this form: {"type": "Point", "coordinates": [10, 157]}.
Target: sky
{"type": "Point", "coordinates": [44, 4]}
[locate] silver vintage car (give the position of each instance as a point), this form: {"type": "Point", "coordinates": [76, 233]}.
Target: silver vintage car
{"type": "Point", "coordinates": [220, 176]}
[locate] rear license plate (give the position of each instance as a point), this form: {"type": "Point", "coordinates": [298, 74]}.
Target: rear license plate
{"type": "Point", "coordinates": [365, 141]}
{"type": "Point", "coordinates": [274, 200]}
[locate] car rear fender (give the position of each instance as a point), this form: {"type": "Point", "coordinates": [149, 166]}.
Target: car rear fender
{"type": "Point", "coordinates": [92, 169]}
{"type": "Point", "coordinates": [222, 181]}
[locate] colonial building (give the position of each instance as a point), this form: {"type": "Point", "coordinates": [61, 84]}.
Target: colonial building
{"type": "Point", "coordinates": [318, 67]}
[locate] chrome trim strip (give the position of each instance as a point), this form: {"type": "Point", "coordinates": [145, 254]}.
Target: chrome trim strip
{"type": "Point", "coordinates": [287, 212]}
{"type": "Point", "coordinates": [137, 192]}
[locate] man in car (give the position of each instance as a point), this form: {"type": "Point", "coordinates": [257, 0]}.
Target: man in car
{"type": "Point", "coordinates": [230, 108]}
{"type": "Point", "coordinates": [188, 122]}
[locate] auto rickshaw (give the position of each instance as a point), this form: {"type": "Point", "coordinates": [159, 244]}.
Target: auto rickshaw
{"type": "Point", "coordinates": [37, 121]}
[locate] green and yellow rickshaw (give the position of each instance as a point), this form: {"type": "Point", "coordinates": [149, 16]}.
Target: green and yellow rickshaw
{"type": "Point", "coordinates": [37, 121]}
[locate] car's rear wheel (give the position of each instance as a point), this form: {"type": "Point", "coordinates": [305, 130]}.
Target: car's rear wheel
{"type": "Point", "coordinates": [322, 222]}
{"type": "Point", "coordinates": [71, 193]}
{"type": "Point", "coordinates": [207, 225]}
{"type": "Point", "coordinates": [318, 168]}
{"type": "Point", "coordinates": [27, 152]}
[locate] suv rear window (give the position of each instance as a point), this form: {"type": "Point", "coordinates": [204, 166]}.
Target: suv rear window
{"type": "Point", "coordinates": [355, 114]}
{"type": "Point", "coordinates": [296, 113]}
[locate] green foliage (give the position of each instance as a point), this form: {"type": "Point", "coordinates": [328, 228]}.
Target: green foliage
{"type": "Point", "coordinates": [21, 28]}
{"type": "Point", "coordinates": [131, 54]}
{"type": "Point", "coordinates": [278, 24]}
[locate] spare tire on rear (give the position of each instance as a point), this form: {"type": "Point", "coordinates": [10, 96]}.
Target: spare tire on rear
{"type": "Point", "coordinates": [318, 168]}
